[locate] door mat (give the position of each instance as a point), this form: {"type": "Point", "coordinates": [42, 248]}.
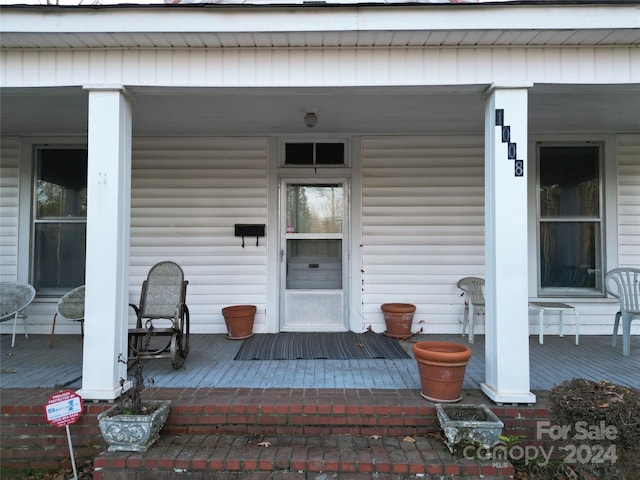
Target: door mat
{"type": "Point", "coordinates": [315, 346]}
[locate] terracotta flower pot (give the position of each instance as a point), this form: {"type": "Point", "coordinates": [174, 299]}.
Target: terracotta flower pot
{"type": "Point", "coordinates": [398, 318]}
{"type": "Point", "coordinates": [239, 320]}
{"type": "Point", "coordinates": [441, 366]}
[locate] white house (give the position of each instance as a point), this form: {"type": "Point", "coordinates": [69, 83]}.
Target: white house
{"type": "Point", "coordinates": [388, 149]}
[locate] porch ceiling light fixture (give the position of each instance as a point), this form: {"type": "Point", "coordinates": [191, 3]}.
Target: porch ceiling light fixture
{"type": "Point", "coordinates": [311, 119]}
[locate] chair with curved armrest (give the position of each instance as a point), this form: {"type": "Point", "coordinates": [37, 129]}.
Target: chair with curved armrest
{"type": "Point", "coordinates": [162, 306]}
{"type": "Point", "coordinates": [70, 307]}
{"type": "Point", "coordinates": [624, 284]}
{"type": "Point", "coordinates": [473, 289]}
{"type": "Point", "coordinates": [14, 298]}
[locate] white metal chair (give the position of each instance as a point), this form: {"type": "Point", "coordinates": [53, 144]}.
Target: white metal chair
{"type": "Point", "coordinates": [14, 298]}
{"type": "Point", "coordinates": [473, 291]}
{"type": "Point", "coordinates": [70, 307]}
{"type": "Point", "coordinates": [624, 284]}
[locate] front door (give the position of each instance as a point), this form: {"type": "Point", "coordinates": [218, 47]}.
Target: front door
{"type": "Point", "coordinates": [312, 255]}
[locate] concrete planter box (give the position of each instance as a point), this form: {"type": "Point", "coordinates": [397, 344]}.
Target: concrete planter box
{"type": "Point", "coordinates": [133, 433]}
{"type": "Point", "coordinates": [469, 425]}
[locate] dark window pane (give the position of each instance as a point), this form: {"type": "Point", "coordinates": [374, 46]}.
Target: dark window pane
{"type": "Point", "coordinates": [59, 259]}
{"type": "Point", "coordinates": [61, 189]}
{"type": "Point", "coordinates": [298, 154]}
{"type": "Point", "coordinates": [570, 254]}
{"type": "Point", "coordinates": [330, 153]}
{"type": "Point", "coordinates": [569, 182]}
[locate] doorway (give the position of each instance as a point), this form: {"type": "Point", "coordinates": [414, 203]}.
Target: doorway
{"type": "Point", "coordinates": [313, 266]}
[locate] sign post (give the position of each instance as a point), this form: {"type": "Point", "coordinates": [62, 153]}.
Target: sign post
{"type": "Point", "coordinates": [62, 409]}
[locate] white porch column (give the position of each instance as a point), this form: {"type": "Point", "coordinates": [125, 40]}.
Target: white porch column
{"type": "Point", "coordinates": [108, 231]}
{"type": "Point", "coordinates": [507, 317]}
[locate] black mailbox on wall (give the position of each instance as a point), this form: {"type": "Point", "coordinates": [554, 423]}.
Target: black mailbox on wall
{"type": "Point", "coordinates": [249, 230]}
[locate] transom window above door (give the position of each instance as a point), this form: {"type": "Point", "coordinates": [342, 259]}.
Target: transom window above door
{"type": "Point", "coordinates": [314, 153]}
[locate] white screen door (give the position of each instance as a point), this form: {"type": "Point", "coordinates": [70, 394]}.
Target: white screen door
{"type": "Point", "coordinates": [312, 259]}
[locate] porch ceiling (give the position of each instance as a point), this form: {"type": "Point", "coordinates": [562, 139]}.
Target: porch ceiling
{"type": "Point", "coordinates": [316, 39]}
{"type": "Point", "coordinates": [260, 111]}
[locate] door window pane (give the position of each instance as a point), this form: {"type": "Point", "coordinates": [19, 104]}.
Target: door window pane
{"type": "Point", "coordinates": [314, 264]}
{"type": "Point", "coordinates": [314, 208]}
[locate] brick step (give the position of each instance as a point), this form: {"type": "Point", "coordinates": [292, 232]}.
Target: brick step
{"type": "Point", "coordinates": [320, 457]}
{"type": "Point", "coordinates": [209, 412]}
{"type": "Point", "coordinates": [298, 412]}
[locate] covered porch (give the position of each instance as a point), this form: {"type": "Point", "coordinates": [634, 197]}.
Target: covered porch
{"type": "Point", "coordinates": [210, 364]}
{"type": "Point", "coordinates": [440, 122]}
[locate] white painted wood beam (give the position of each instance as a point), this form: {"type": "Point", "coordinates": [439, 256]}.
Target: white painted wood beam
{"type": "Point", "coordinates": [108, 234]}
{"type": "Point", "coordinates": [507, 317]}
{"type": "Point", "coordinates": [320, 19]}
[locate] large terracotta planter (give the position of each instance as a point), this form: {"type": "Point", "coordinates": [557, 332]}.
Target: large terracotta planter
{"type": "Point", "coordinates": [441, 366]}
{"type": "Point", "coordinates": [239, 320]}
{"type": "Point", "coordinates": [398, 318]}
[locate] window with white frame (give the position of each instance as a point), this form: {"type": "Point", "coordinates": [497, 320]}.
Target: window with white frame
{"type": "Point", "coordinates": [59, 219]}
{"type": "Point", "coordinates": [570, 220]}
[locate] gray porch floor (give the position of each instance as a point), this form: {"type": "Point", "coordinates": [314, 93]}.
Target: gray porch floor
{"type": "Point", "coordinates": [31, 363]}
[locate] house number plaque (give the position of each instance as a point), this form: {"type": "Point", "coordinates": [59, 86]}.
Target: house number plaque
{"type": "Point", "coordinates": [512, 148]}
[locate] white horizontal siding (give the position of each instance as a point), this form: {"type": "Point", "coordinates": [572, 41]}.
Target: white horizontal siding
{"type": "Point", "coordinates": [423, 230]}
{"type": "Point", "coordinates": [363, 66]}
{"type": "Point", "coordinates": [187, 194]}
{"type": "Point", "coordinates": [629, 200]}
{"type": "Point", "coordinates": [422, 225]}
{"type": "Point", "coordinates": [9, 207]}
